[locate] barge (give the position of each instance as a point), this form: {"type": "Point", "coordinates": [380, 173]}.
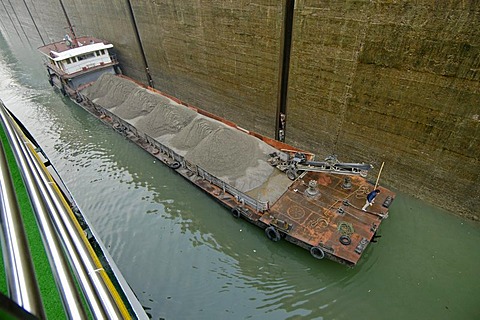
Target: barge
{"type": "Point", "coordinates": [316, 205]}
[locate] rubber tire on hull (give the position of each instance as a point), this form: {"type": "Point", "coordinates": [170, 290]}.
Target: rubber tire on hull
{"type": "Point", "coordinates": [273, 234]}
{"type": "Point", "coordinates": [317, 252]}
{"type": "Point", "coordinates": [79, 98]}
{"type": "Point", "coordinates": [236, 213]}
{"type": "Point", "coordinates": [345, 240]}
{"type": "Point", "coordinates": [175, 165]}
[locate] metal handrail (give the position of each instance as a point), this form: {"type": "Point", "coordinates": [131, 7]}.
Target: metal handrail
{"type": "Point", "coordinates": [59, 226]}
{"type": "Point", "coordinates": [21, 281]}
{"type": "Point", "coordinates": [53, 247]}
{"type": "Point", "coordinates": [101, 302]}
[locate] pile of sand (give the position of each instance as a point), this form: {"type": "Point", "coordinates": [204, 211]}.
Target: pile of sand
{"type": "Point", "coordinates": [165, 119]}
{"type": "Point", "coordinates": [227, 153]}
{"type": "Point", "coordinates": [110, 91]}
{"type": "Point", "coordinates": [197, 130]}
{"type": "Point", "coordinates": [140, 102]}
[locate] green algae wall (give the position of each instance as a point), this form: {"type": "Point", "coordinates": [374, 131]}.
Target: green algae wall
{"type": "Point", "coordinates": [374, 81]}
{"type": "Point", "coordinates": [393, 81]}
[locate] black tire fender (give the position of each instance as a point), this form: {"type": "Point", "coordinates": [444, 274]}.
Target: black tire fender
{"type": "Point", "coordinates": [79, 98]}
{"type": "Point", "coordinates": [272, 234]}
{"type": "Point", "coordinates": [345, 240]}
{"type": "Point", "coordinates": [236, 212]}
{"type": "Point", "coordinates": [317, 252]}
{"type": "Point", "coordinates": [175, 165]}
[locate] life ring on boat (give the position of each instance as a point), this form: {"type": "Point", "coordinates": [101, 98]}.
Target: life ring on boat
{"type": "Point", "coordinates": [273, 234]}
{"type": "Point", "coordinates": [345, 240]}
{"type": "Point", "coordinates": [317, 252]}
{"type": "Point", "coordinates": [175, 165]}
{"type": "Point", "coordinates": [236, 212]}
{"type": "Point", "coordinates": [79, 98]}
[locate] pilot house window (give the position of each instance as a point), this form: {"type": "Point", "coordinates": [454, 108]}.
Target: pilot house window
{"type": "Point", "coordinates": [85, 56]}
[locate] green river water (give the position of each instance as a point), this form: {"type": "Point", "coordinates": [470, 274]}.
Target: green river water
{"type": "Point", "coordinates": [187, 258]}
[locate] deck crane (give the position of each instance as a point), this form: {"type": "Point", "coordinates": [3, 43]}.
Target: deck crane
{"type": "Point", "coordinates": [293, 163]}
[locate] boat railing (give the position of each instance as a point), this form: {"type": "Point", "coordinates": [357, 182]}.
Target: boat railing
{"type": "Point", "coordinates": [85, 68]}
{"type": "Point", "coordinates": [21, 281]}
{"type": "Point", "coordinates": [113, 57]}
{"type": "Point", "coordinates": [62, 237]}
{"type": "Point", "coordinates": [242, 198]}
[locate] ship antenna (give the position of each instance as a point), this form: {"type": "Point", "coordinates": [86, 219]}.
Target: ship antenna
{"type": "Point", "coordinates": [74, 37]}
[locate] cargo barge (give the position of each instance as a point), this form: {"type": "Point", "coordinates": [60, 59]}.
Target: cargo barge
{"type": "Point", "coordinates": [316, 205]}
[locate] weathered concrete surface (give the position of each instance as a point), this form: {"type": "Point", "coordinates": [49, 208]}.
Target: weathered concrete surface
{"type": "Point", "coordinates": [394, 81]}
{"type": "Point", "coordinates": [222, 55]}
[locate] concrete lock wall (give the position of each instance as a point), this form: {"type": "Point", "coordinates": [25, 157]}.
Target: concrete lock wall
{"type": "Point", "coordinates": [371, 81]}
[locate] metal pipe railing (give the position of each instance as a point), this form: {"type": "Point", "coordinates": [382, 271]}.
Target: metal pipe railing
{"type": "Point", "coordinates": [102, 298]}
{"type": "Point", "coordinates": [21, 281]}
{"type": "Point", "coordinates": [65, 283]}
{"type": "Point", "coordinates": [101, 302]}
{"type": "Point", "coordinates": [66, 239]}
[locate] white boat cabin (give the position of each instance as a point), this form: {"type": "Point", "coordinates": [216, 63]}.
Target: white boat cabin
{"type": "Point", "coordinates": [78, 61]}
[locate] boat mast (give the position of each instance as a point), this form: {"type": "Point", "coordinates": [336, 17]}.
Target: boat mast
{"type": "Point", "coordinates": [72, 32]}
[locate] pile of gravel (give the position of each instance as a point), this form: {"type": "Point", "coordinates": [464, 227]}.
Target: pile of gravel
{"type": "Point", "coordinates": [140, 102]}
{"type": "Point", "coordinates": [227, 153]}
{"type": "Point", "coordinates": [110, 91]}
{"type": "Point", "coordinates": [197, 130]}
{"type": "Point", "coordinates": [165, 119]}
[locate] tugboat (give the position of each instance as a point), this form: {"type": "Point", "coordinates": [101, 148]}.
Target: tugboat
{"type": "Point", "coordinates": [73, 62]}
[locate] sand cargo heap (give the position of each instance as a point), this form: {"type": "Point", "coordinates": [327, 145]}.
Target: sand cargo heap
{"type": "Point", "coordinates": [227, 153]}
{"type": "Point", "coordinates": [318, 210]}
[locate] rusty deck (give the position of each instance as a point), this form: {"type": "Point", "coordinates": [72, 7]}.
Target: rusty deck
{"type": "Point", "coordinates": [319, 220]}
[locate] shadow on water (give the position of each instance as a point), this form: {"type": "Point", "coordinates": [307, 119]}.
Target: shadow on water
{"type": "Point", "coordinates": [186, 257]}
